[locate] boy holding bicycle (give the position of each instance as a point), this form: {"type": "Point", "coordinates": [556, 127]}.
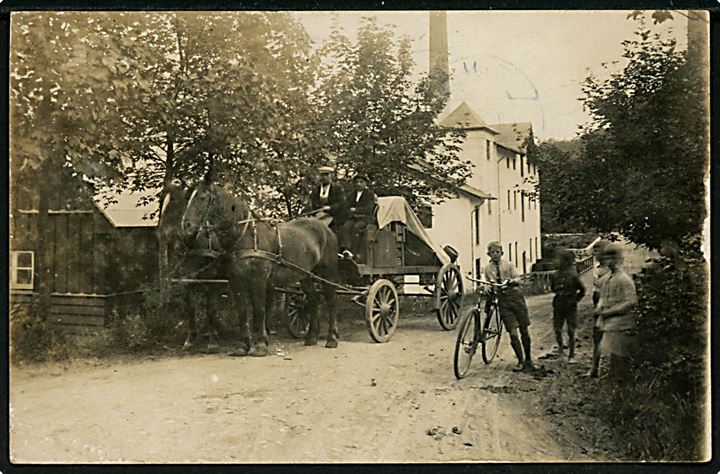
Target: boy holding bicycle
{"type": "Point", "coordinates": [513, 310]}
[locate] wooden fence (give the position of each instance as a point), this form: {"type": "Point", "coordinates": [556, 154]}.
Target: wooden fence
{"type": "Point", "coordinates": [539, 282]}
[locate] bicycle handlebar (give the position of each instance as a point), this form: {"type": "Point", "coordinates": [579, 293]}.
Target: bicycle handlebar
{"type": "Point", "coordinates": [485, 282]}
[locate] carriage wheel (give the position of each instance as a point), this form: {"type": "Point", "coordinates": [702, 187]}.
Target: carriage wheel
{"type": "Point", "coordinates": [382, 309]}
{"type": "Point", "coordinates": [449, 296]}
{"type": "Point", "coordinates": [296, 320]}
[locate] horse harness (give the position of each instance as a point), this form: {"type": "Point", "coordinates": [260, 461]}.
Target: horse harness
{"type": "Point", "coordinates": [256, 252]}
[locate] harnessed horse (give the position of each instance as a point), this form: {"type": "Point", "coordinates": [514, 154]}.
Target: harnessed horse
{"type": "Point", "coordinates": [185, 258]}
{"type": "Point", "coordinates": [259, 256]}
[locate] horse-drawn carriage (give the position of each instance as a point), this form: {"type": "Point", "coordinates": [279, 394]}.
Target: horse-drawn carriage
{"type": "Point", "coordinates": [300, 259]}
{"type": "Point", "coordinates": [394, 247]}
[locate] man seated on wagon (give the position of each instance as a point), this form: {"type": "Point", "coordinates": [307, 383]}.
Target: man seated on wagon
{"type": "Point", "coordinates": [361, 212]}
{"type": "Point", "coordinates": [327, 199]}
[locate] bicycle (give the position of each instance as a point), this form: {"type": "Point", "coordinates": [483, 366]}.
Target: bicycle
{"type": "Point", "coordinates": [472, 333]}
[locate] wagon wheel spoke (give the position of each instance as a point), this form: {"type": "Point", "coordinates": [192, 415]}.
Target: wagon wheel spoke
{"type": "Point", "coordinates": [450, 311]}
{"type": "Point", "coordinates": [383, 325]}
{"type": "Point", "coordinates": [377, 301]}
{"type": "Point", "coordinates": [389, 318]}
{"type": "Point", "coordinates": [385, 296]}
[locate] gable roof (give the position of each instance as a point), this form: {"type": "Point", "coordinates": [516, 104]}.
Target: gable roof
{"type": "Point", "coordinates": [127, 212]}
{"type": "Point", "coordinates": [513, 136]}
{"type": "Point", "coordinates": [465, 118]}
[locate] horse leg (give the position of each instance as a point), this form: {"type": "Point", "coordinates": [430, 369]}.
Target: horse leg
{"type": "Point", "coordinates": [312, 312]}
{"type": "Point", "coordinates": [332, 337]}
{"type": "Point", "coordinates": [190, 317]}
{"type": "Point", "coordinates": [211, 323]}
{"type": "Point", "coordinates": [239, 301]}
{"type": "Point", "coordinates": [259, 300]}
{"type": "Point", "coordinates": [271, 311]}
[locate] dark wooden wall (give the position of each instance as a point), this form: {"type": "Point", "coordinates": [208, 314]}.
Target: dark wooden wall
{"type": "Point", "coordinates": [91, 262]}
{"type": "Point", "coordinates": [78, 251]}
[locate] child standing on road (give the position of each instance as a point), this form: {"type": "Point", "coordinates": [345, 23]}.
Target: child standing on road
{"type": "Point", "coordinates": [513, 310]}
{"type": "Point", "coordinates": [614, 311]}
{"type": "Point", "coordinates": [568, 289]}
{"type": "Point", "coordinates": [600, 274]}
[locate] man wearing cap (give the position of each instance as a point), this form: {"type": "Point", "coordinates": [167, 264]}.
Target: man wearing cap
{"type": "Point", "coordinates": [614, 311]}
{"type": "Point", "coordinates": [361, 212]}
{"type": "Point", "coordinates": [327, 199]}
{"type": "Point", "coordinates": [513, 310]}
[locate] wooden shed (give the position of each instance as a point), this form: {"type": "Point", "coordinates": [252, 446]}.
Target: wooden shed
{"type": "Point", "coordinates": [99, 260]}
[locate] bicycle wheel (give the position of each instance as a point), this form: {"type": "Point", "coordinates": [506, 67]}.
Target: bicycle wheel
{"type": "Point", "coordinates": [492, 330]}
{"type": "Point", "coordinates": [467, 342]}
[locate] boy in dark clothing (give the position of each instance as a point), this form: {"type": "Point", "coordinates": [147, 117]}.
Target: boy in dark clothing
{"type": "Point", "coordinates": [568, 289]}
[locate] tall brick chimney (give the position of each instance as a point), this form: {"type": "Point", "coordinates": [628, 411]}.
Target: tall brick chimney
{"type": "Point", "coordinates": [439, 65]}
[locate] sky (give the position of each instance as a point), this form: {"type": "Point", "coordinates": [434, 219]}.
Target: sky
{"type": "Point", "coordinates": [515, 66]}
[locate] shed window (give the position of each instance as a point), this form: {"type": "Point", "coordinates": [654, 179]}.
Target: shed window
{"type": "Point", "coordinates": [22, 269]}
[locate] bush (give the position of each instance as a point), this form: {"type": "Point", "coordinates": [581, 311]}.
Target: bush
{"type": "Point", "coordinates": [31, 338]}
{"type": "Point", "coordinates": [661, 412]}
{"type": "Point", "coordinates": [129, 331]}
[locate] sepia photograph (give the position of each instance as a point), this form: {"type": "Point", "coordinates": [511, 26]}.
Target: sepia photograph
{"type": "Point", "coordinates": [256, 237]}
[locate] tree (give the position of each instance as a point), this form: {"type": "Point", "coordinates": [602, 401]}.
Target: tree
{"type": "Point", "coordinates": [382, 123]}
{"type": "Point", "coordinates": [50, 102]}
{"type": "Point", "coordinates": [226, 93]}
{"type": "Point", "coordinates": [644, 152]}
{"type": "Point", "coordinates": [559, 164]}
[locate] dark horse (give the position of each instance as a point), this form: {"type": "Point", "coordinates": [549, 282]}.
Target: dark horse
{"type": "Point", "coordinates": [182, 257]}
{"type": "Point", "coordinates": [259, 257]}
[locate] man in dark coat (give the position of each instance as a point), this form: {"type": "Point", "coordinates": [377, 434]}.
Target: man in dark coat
{"type": "Point", "coordinates": [327, 199]}
{"type": "Point", "coordinates": [361, 211]}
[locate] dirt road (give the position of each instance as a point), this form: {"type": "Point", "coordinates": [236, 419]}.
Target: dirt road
{"type": "Point", "coordinates": [362, 402]}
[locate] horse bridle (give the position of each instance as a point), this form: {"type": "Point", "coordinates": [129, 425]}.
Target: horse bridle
{"type": "Point", "coordinates": [204, 222]}
{"type": "Point", "coordinates": [250, 219]}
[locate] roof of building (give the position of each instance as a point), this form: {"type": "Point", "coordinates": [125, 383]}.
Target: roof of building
{"type": "Point", "coordinates": [513, 136]}
{"type": "Point", "coordinates": [466, 118]}
{"type": "Point", "coordinates": [466, 188]}
{"type": "Point", "coordinates": [127, 211]}
{"type": "Point", "coordinates": [476, 192]}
